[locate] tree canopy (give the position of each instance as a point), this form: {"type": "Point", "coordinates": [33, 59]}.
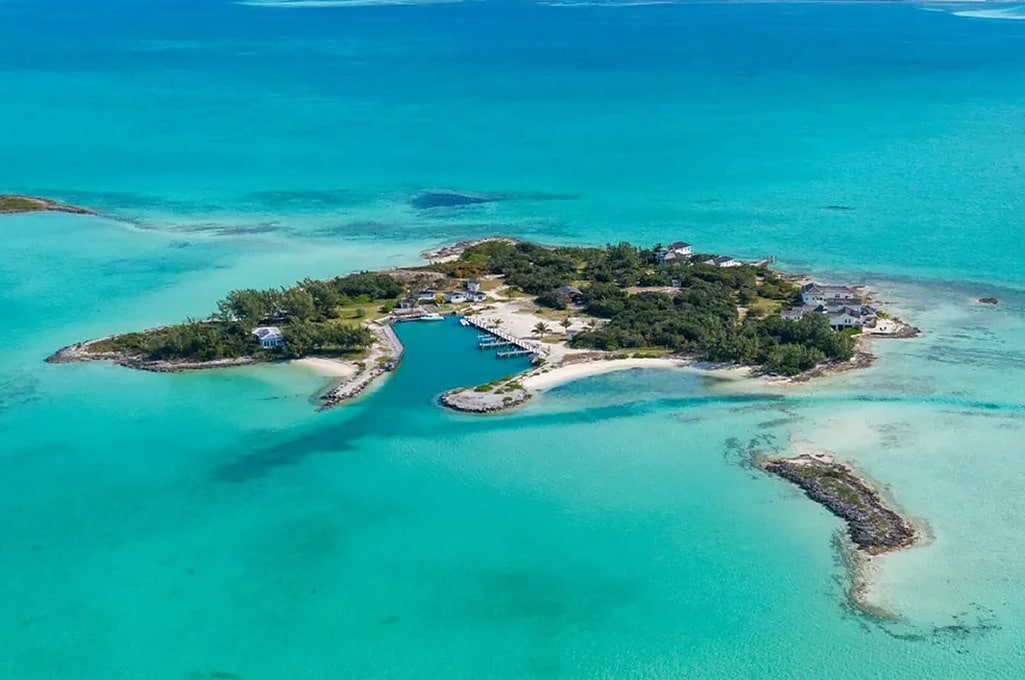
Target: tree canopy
{"type": "Point", "coordinates": [690, 306]}
{"type": "Point", "coordinates": [307, 313]}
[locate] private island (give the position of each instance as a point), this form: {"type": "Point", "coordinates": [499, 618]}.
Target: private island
{"type": "Point", "coordinates": [573, 311]}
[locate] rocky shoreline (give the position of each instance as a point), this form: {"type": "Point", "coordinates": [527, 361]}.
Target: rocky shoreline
{"type": "Point", "coordinates": [452, 252]}
{"type": "Point", "coordinates": [11, 204]}
{"type": "Point", "coordinates": [491, 400]}
{"type": "Point", "coordinates": [872, 525]}
{"type": "Point", "coordinates": [385, 356]}
{"type": "Point", "coordinates": [80, 353]}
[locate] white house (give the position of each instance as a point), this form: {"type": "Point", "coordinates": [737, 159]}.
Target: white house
{"type": "Point", "coordinates": [473, 286]}
{"type": "Point", "coordinates": [269, 337]}
{"type": "Point", "coordinates": [814, 294]}
{"type": "Point", "coordinates": [723, 261]}
{"type": "Point", "coordinates": [675, 251]}
{"type": "Point", "coordinates": [476, 296]}
{"type": "Point", "coordinates": [456, 297]}
{"type": "Point", "coordinates": [427, 295]}
{"type": "Point", "coordinates": [850, 317]}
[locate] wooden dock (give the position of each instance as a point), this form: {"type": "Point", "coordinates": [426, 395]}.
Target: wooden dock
{"type": "Point", "coordinates": [492, 338]}
{"type": "Point", "coordinates": [509, 354]}
{"type": "Point", "coordinates": [493, 343]}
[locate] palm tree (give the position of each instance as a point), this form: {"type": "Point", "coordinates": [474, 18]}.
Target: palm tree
{"type": "Point", "coordinates": [496, 322]}
{"type": "Point", "coordinates": [541, 329]}
{"type": "Point", "coordinates": [566, 323]}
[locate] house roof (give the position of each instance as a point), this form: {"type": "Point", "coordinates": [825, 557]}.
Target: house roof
{"type": "Point", "coordinates": [722, 259]}
{"type": "Point", "coordinates": [570, 290]}
{"type": "Point", "coordinates": [817, 289]}
{"type": "Point", "coordinates": [856, 312]}
{"type": "Point", "coordinates": [268, 333]}
{"type": "Point", "coordinates": [679, 245]}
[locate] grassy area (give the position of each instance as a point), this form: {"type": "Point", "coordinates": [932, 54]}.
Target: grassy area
{"type": "Point", "coordinates": [19, 204]}
{"type": "Point", "coordinates": [763, 307]}
{"type": "Point", "coordinates": [356, 312]}
{"type": "Point", "coordinates": [651, 353]}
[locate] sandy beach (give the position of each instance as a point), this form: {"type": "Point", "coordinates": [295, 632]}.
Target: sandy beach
{"type": "Point", "coordinates": [547, 379]}
{"type": "Point", "coordinates": [335, 368]}
{"type": "Point", "coordinates": [544, 380]}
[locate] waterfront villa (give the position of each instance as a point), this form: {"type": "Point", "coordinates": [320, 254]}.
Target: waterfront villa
{"type": "Point", "coordinates": [851, 317]}
{"type": "Point", "coordinates": [269, 337]}
{"type": "Point", "coordinates": [815, 294]}
{"type": "Point", "coordinates": [723, 261]}
{"type": "Point", "coordinates": [674, 251]}
{"type": "Point", "coordinates": [841, 316]}
{"type": "Point", "coordinates": [427, 295]}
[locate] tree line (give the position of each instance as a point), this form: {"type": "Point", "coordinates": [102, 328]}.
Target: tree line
{"type": "Point", "coordinates": [696, 312]}
{"type": "Point", "coordinates": [307, 314]}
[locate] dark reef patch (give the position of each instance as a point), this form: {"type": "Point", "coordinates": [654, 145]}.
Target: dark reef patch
{"type": "Point", "coordinates": [450, 199]}
{"type": "Point", "coordinates": [17, 389]}
{"type": "Point", "coordinates": [458, 199]}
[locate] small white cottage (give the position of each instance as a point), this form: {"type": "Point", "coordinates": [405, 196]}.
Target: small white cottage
{"type": "Point", "coordinates": [269, 337]}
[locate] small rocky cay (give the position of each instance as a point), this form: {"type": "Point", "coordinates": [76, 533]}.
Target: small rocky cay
{"type": "Point", "coordinates": [874, 527]}
{"type": "Point", "coordinates": [18, 203]}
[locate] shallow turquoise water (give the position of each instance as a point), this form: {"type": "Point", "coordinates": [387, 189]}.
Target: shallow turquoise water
{"type": "Point", "coordinates": [185, 526]}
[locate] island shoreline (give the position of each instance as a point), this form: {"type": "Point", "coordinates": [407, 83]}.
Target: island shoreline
{"type": "Point", "coordinates": [556, 361]}
{"type": "Point", "coordinates": [18, 204]}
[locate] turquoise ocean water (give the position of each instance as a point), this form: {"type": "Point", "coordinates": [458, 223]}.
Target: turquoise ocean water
{"type": "Point", "coordinates": [214, 526]}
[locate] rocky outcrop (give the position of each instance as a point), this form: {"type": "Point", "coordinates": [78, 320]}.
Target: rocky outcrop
{"type": "Point", "coordinates": [901, 330]}
{"type": "Point", "coordinates": [872, 526]}
{"type": "Point", "coordinates": [16, 203]}
{"type": "Point", "coordinates": [988, 301]}
{"type": "Point", "coordinates": [485, 398]}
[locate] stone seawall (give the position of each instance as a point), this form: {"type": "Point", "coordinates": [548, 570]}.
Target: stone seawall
{"type": "Point", "coordinates": [383, 358]}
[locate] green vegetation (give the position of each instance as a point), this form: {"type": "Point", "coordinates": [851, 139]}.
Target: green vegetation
{"type": "Point", "coordinates": [500, 386]}
{"type": "Point", "coordinates": [19, 204]}
{"type": "Point", "coordinates": [314, 316]}
{"type": "Point", "coordinates": [691, 307]}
